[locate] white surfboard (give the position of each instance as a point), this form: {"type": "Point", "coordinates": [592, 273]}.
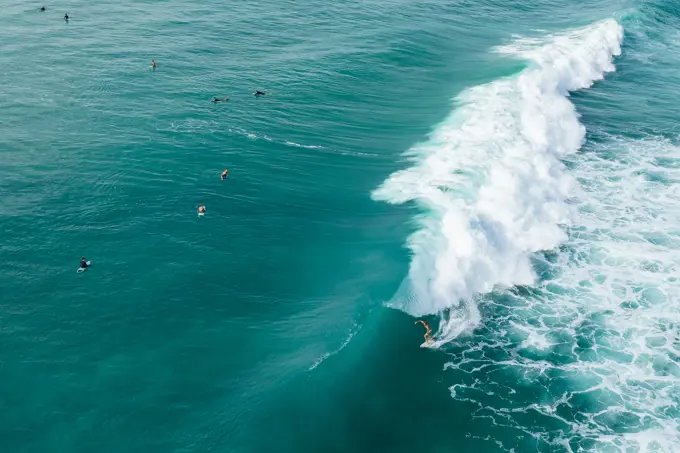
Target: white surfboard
{"type": "Point", "coordinates": [433, 345]}
{"type": "Point", "coordinates": [82, 269]}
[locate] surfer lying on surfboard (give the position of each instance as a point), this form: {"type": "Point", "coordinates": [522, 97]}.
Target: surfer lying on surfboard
{"type": "Point", "coordinates": [428, 333]}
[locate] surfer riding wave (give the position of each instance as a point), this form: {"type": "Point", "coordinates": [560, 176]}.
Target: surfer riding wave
{"type": "Point", "coordinates": [428, 331]}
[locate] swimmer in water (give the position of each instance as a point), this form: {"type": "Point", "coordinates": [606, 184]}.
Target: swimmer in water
{"type": "Point", "coordinates": [428, 333]}
{"type": "Point", "coordinates": [225, 173]}
{"type": "Point", "coordinates": [201, 209]}
{"type": "Point", "coordinates": [153, 64]}
{"type": "Point", "coordinates": [42, 10]}
{"type": "Point", "coordinates": [66, 17]}
{"type": "Point", "coordinates": [259, 93]}
{"type": "Point", "coordinates": [219, 100]}
{"type": "Point", "coordinates": [83, 263]}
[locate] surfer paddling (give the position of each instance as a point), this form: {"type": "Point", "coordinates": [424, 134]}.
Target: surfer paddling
{"type": "Point", "coordinates": [225, 173]}
{"type": "Point", "coordinates": [428, 333]}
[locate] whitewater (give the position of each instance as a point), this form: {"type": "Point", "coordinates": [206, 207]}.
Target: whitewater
{"type": "Point", "coordinates": [490, 178]}
{"type": "Point", "coordinates": [557, 265]}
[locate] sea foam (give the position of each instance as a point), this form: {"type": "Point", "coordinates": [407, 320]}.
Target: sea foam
{"type": "Point", "coordinates": [490, 180]}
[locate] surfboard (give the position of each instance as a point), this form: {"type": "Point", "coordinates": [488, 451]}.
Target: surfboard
{"type": "Point", "coordinates": [82, 269]}
{"type": "Point", "coordinates": [201, 214]}
{"type": "Point", "coordinates": [434, 344]}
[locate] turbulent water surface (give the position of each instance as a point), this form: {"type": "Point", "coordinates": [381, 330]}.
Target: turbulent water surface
{"type": "Point", "coordinates": [507, 171]}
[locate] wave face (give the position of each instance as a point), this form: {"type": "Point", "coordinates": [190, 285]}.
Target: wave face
{"type": "Point", "coordinates": [586, 358]}
{"type": "Point", "coordinates": [490, 180]}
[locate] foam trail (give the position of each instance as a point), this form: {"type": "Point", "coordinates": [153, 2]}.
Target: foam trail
{"type": "Point", "coordinates": [353, 331]}
{"type": "Point", "coordinates": [298, 145]}
{"type": "Point", "coordinates": [599, 336]}
{"type": "Point", "coordinates": [490, 178]}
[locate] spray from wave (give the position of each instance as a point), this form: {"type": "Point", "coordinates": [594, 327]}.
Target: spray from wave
{"type": "Point", "coordinates": [490, 178]}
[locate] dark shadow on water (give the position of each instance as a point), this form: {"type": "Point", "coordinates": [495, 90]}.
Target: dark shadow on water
{"type": "Point", "coordinates": [382, 393]}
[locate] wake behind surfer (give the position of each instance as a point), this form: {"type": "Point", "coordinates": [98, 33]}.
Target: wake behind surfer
{"type": "Point", "coordinates": [428, 333]}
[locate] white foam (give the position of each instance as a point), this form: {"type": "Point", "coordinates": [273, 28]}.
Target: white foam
{"type": "Point", "coordinates": [601, 335]}
{"type": "Point", "coordinates": [256, 136]}
{"type": "Point", "coordinates": [192, 126]}
{"type": "Point", "coordinates": [249, 134]}
{"type": "Point", "coordinates": [490, 180]}
{"type": "Point", "coordinates": [353, 331]}
{"type": "Point", "coordinates": [298, 145]}
{"type": "Point", "coordinates": [630, 223]}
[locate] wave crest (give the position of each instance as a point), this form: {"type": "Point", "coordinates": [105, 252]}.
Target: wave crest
{"type": "Point", "coordinates": [490, 178]}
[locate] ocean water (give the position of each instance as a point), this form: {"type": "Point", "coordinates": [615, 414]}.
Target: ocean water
{"type": "Point", "coordinates": [508, 171]}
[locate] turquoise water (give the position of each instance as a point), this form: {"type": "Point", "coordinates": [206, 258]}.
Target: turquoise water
{"type": "Point", "coordinates": [508, 171]}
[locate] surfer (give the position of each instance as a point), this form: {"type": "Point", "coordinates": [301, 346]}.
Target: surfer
{"type": "Point", "coordinates": [201, 209]}
{"type": "Point", "coordinates": [153, 64]}
{"type": "Point", "coordinates": [42, 10]}
{"type": "Point", "coordinates": [219, 100]}
{"type": "Point", "coordinates": [259, 93]}
{"type": "Point", "coordinates": [225, 173]}
{"type": "Point", "coordinates": [83, 263]}
{"type": "Point", "coordinates": [66, 17]}
{"type": "Point", "coordinates": [428, 333]}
